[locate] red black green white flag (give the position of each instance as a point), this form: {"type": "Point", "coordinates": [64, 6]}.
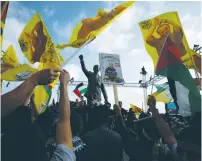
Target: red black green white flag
{"type": "Point", "coordinates": [4, 9]}
{"type": "Point", "coordinates": [170, 65]}
{"type": "Point", "coordinates": [80, 89]}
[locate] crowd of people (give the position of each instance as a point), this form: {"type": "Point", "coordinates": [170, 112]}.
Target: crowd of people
{"type": "Point", "coordinates": [76, 131]}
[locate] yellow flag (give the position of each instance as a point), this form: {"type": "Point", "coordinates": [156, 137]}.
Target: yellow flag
{"type": "Point", "coordinates": [49, 65]}
{"type": "Point", "coordinates": [91, 27]}
{"type": "Point", "coordinates": [155, 30]}
{"type": "Point", "coordinates": [196, 59]}
{"type": "Point", "coordinates": [36, 43]}
{"type": "Point", "coordinates": [42, 95]}
{"type": "Point", "coordinates": [10, 58]}
{"type": "Point", "coordinates": [19, 73]}
{"type": "Point", "coordinates": [135, 108]}
{"type": "Point", "coordinates": [4, 9]}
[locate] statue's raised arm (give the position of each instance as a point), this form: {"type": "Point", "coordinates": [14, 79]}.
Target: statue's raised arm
{"type": "Point", "coordinates": [83, 67]}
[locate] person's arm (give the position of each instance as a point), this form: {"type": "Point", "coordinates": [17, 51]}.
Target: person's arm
{"type": "Point", "coordinates": [12, 100]}
{"type": "Point", "coordinates": [162, 126]}
{"type": "Point", "coordinates": [83, 67]}
{"type": "Point", "coordinates": [104, 92]}
{"type": "Point", "coordinates": [63, 133]}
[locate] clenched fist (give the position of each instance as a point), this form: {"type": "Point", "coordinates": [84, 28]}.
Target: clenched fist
{"type": "Point", "coordinates": [64, 77]}
{"type": "Point", "coordinates": [81, 57]}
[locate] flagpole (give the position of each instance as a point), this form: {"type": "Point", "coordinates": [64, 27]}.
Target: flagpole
{"type": "Point", "coordinates": [116, 95]}
{"type": "Point", "coordinates": [77, 51]}
{"type": "Point", "coordinates": [158, 61]}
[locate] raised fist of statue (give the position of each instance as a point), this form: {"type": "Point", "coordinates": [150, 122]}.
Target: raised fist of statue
{"type": "Point", "coordinates": [81, 57]}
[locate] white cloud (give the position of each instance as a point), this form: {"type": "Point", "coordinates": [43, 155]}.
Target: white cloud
{"type": "Point", "coordinates": [49, 10]}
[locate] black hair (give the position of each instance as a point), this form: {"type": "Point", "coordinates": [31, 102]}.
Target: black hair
{"type": "Point", "coordinates": [23, 140]}
{"type": "Point", "coordinates": [76, 123]}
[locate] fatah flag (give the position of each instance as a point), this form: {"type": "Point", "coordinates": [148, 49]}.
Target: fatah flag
{"type": "Point", "coordinates": [170, 65]}
{"type": "Point", "coordinates": [135, 108]}
{"type": "Point", "coordinates": [42, 96]}
{"type": "Point", "coordinates": [37, 44]}
{"type": "Point", "coordinates": [89, 28]}
{"type": "Point", "coordinates": [79, 90]}
{"type": "Point", "coordinates": [163, 93]}
{"type": "Point", "coordinates": [10, 57]}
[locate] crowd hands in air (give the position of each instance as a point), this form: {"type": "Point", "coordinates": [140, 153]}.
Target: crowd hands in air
{"type": "Point", "coordinates": [70, 131]}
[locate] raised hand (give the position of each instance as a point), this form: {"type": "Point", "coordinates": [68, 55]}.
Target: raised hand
{"type": "Point", "coordinates": [64, 77]}
{"type": "Point", "coordinates": [46, 76]}
{"type": "Point", "coordinates": [152, 102]}
{"type": "Point", "coordinates": [81, 57]}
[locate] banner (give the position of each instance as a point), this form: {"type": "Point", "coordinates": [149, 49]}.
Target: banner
{"type": "Point", "coordinates": [89, 28]}
{"type": "Point", "coordinates": [36, 43]}
{"type": "Point", "coordinates": [110, 68]}
{"type": "Point", "coordinates": [154, 32]}
{"type": "Point", "coordinates": [4, 9]}
{"type": "Point", "coordinates": [10, 58]}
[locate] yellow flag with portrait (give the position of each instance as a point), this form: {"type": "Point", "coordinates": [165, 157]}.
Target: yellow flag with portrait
{"type": "Point", "coordinates": [89, 28]}
{"type": "Point", "coordinates": [36, 43]}
{"type": "Point", "coordinates": [155, 30]}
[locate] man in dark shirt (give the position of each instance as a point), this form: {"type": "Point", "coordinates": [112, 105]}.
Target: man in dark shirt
{"type": "Point", "coordinates": [101, 144]}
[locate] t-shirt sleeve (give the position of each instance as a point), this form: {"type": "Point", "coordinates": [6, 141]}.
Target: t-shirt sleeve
{"type": "Point", "coordinates": [63, 153]}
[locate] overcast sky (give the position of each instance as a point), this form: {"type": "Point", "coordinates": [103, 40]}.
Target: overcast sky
{"type": "Point", "coordinates": [123, 37]}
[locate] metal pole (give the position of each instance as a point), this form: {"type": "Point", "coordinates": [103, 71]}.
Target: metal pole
{"type": "Point", "coordinates": [144, 86]}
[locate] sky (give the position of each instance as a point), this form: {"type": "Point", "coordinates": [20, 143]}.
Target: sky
{"type": "Point", "coordinates": [122, 37]}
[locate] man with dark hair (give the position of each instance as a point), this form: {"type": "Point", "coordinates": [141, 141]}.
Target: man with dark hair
{"type": "Point", "coordinates": [101, 144]}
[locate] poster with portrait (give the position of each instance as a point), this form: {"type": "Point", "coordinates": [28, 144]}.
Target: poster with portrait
{"type": "Point", "coordinates": [155, 30]}
{"type": "Point", "coordinates": [110, 68]}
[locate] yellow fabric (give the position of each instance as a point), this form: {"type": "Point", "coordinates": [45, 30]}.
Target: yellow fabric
{"type": "Point", "coordinates": [91, 27]}
{"type": "Point", "coordinates": [2, 36]}
{"type": "Point", "coordinates": [23, 71]}
{"type": "Point", "coordinates": [41, 99]}
{"type": "Point", "coordinates": [155, 30]}
{"type": "Point", "coordinates": [10, 58]}
{"type": "Point", "coordinates": [189, 62]}
{"type": "Point", "coordinates": [135, 108]}
{"type": "Point", "coordinates": [52, 65]}
{"type": "Point", "coordinates": [36, 43]}
{"type": "Point", "coordinates": [161, 97]}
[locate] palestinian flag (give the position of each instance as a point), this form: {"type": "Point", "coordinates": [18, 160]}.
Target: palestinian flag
{"type": "Point", "coordinates": [4, 9]}
{"type": "Point", "coordinates": [79, 90]}
{"type": "Point", "coordinates": [186, 93]}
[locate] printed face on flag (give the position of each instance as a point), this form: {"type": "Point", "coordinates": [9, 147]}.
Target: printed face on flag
{"type": "Point", "coordinates": [36, 43]}
{"type": "Point", "coordinates": [154, 33]}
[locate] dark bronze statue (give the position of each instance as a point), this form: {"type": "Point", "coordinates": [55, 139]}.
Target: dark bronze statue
{"type": "Point", "coordinates": [95, 85]}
